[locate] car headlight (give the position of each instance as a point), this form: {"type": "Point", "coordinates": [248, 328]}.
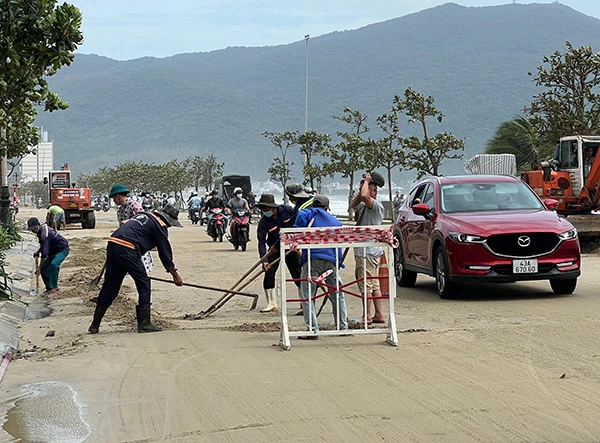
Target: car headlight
{"type": "Point", "coordinates": [466, 238]}
{"type": "Point", "coordinates": [569, 235]}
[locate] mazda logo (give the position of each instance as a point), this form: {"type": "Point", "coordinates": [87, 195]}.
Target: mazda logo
{"type": "Point", "coordinates": [524, 241]}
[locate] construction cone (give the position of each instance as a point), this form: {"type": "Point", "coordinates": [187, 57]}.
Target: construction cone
{"type": "Point", "coordinates": [384, 281]}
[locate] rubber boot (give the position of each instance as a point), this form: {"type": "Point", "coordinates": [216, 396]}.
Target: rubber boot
{"type": "Point", "coordinates": [98, 314]}
{"type": "Point", "coordinates": [271, 301]}
{"type": "Point", "coordinates": [143, 319]}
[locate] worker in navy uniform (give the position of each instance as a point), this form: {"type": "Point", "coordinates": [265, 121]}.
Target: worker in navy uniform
{"type": "Point", "coordinates": [143, 232]}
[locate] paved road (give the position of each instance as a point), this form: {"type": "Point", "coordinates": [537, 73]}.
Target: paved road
{"type": "Point", "coordinates": [510, 363]}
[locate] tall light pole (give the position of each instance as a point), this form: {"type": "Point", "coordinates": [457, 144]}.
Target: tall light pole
{"type": "Point", "coordinates": [306, 38]}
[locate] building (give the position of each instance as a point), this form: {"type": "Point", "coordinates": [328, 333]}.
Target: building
{"type": "Point", "coordinates": [34, 167]}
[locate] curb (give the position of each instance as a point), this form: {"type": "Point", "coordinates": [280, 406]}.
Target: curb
{"type": "Point", "coordinates": [18, 266]}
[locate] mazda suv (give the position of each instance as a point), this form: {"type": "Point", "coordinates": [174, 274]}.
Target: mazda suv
{"type": "Point", "coordinates": [483, 228]}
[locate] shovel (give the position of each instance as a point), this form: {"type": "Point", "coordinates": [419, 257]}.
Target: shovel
{"type": "Point", "coordinates": [210, 288]}
{"type": "Point", "coordinates": [94, 282]}
{"type": "Point", "coordinates": [37, 277]}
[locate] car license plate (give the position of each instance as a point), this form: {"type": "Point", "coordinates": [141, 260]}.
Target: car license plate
{"type": "Point", "coordinates": [528, 266]}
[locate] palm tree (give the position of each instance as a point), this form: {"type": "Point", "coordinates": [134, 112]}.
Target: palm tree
{"type": "Point", "coordinates": [518, 137]}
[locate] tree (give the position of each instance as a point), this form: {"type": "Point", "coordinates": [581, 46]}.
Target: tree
{"type": "Point", "coordinates": [570, 105]}
{"type": "Point", "coordinates": [518, 137]}
{"type": "Point", "coordinates": [348, 156]}
{"type": "Point", "coordinates": [389, 150]}
{"type": "Point", "coordinates": [211, 170]}
{"type": "Point", "coordinates": [426, 155]}
{"type": "Point", "coordinates": [37, 190]}
{"type": "Point", "coordinates": [312, 144]}
{"type": "Point", "coordinates": [37, 38]}
{"type": "Point", "coordinates": [280, 167]}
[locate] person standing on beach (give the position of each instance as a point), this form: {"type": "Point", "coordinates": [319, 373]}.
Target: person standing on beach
{"type": "Point", "coordinates": [53, 250]}
{"type": "Point", "coordinates": [368, 259]}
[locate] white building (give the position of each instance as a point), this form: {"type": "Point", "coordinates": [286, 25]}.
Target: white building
{"type": "Point", "coordinates": [34, 167]}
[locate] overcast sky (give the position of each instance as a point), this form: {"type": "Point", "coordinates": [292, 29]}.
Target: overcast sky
{"type": "Point", "coordinates": [127, 29]}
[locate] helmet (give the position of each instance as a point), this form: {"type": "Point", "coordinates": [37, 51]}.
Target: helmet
{"type": "Point", "coordinates": [206, 194]}
{"type": "Point", "coordinates": [215, 192]}
{"type": "Point", "coordinates": [118, 189]}
{"type": "Point", "coordinates": [194, 193]}
{"type": "Point", "coordinates": [236, 190]}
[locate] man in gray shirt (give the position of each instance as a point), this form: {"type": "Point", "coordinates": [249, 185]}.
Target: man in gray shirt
{"type": "Point", "coordinates": [370, 213]}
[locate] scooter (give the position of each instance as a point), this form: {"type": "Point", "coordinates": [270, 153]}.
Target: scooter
{"type": "Point", "coordinates": [241, 229]}
{"type": "Point", "coordinates": [194, 216]}
{"type": "Point", "coordinates": [216, 226]}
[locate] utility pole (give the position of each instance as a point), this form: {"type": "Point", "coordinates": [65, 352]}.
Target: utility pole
{"type": "Point", "coordinates": [306, 38]}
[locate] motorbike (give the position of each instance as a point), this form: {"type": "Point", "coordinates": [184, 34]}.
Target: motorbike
{"type": "Point", "coordinates": [241, 229]}
{"type": "Point", "coordinates": [195, 218]}
{"type": "Point", "coordinates": [216, 226]}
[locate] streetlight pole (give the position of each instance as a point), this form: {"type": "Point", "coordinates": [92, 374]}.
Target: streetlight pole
{"type": "Point", "coordinates": [306, 38]}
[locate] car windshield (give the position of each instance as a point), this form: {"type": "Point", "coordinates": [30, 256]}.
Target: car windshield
{"type": "Point", "coordinates": [488, 196]}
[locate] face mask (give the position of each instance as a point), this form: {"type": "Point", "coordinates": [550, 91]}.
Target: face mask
{"type": "Point", "coordinates": [238, 195]}
{"type": "Point", "coordinates": [268, 214]}
{"type": "Point", "coordinates": [215, 197]}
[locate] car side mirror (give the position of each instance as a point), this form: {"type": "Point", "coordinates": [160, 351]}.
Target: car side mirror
{"type": "Point", "coordinates": [551, 204]}
{"type": "Point", "coordinates": [421, 209]}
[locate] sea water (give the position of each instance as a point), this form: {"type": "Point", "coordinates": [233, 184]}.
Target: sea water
{"type": "Point", "coordinates": [48, 412]}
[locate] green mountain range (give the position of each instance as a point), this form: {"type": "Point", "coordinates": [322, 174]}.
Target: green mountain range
{"type": "Point", "coordinates": [473, 60]}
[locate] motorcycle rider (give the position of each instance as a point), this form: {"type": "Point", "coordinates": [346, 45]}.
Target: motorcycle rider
{"type": "Point", "coordinates": [194, 204]}
{"type": "Point", "coordinates": [235, 203]}
{"type": "Point", "coordinates": [214, 202]}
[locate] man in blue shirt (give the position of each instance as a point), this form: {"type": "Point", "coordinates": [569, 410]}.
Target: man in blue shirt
{"type": "Point", "coordinates": [54, 248]}
{"type": "Point", "coordinates": [321, 261]}
{"type": "Point", "coordinates": [143, 232]}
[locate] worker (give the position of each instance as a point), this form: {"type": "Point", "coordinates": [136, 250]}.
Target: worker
{"type": "Point", "coordinates": [56, 217]}
{"type": "Point", "coordinates": [53, 250]}
{"type": "Point", "coordinates": [144, 231]}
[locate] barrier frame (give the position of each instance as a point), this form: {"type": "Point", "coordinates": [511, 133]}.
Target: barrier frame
{"type": "Point", "coordinates": [286, 244]}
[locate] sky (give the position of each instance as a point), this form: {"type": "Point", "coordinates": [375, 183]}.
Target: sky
{"type": "Point", "coordinates": [128, 29]}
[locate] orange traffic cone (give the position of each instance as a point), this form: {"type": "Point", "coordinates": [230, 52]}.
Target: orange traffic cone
{"type": "Point", "coordinates": [384, 281]}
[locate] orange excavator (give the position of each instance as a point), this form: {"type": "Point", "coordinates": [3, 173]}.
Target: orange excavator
{"type": "Point", "coordinates": [76, 202]}
{"type": "Point", "coordinates": [572, 178]}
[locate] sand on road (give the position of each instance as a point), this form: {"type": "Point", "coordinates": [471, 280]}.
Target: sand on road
{"type": "Point", "coordinates": [508, 363]}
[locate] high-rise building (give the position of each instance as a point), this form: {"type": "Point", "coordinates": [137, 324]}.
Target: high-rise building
{"type": "Point", "coordinates": [34, 167]}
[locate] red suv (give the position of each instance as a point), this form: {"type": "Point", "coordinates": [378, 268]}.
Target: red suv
{"type": "Point", "coordinates": [483, 228]}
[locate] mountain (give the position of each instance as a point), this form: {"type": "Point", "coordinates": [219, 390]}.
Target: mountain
{"type": "Point", "coordinates": [473, 60]}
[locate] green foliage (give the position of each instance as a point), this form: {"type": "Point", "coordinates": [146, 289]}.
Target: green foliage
{"type": "Point", "coordinates": [571, 102]}
{"type": "Point", "coordinates": [37, 38]}
{"type": "Point", "coordinates": [389, 152]}
{"type": "Point", "coordinates": [518, 137]}
{"type": "Point", "coordinates": [426, 155]}
{"type": "Point", "coordinates": [313, 144]}
{"type": "Point", "coordinates": [280, 168]}
{"type": "Point", "coordinates": [139, 177]}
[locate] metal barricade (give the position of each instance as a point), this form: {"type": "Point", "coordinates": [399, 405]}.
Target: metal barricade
{"type": "Point", "coordinates": [335, 237]}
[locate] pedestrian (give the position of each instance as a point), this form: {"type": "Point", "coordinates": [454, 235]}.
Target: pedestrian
{"type": "Point", "coordinates": [56, 217]}
{"type": "Point", "coordinates": [274, 216]}
{"type": "Point", "coordinates": [301, 200]}
{"type": "Point", "coordinates": [126, 209]}
{"type": "Point", "coordinates": [398, 201]}
{"type": "Point", "coordinates": [368, 259]}
{"type": "Point", "coordinates": [143, 232]}
{"type": "Point", "coordinates": [126, 206]}
{"type": "Point", "coordinates": [321, 261]}
{"type": "Point", "coordinates": [53, 250]}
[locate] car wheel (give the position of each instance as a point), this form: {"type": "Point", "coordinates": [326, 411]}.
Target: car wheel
{"type": "Point", "coordinates": [445, 289]}
{"type": "Point", "coordinates": [563, 286]}
{"type": "Point", "coordinates": [404, 278]}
